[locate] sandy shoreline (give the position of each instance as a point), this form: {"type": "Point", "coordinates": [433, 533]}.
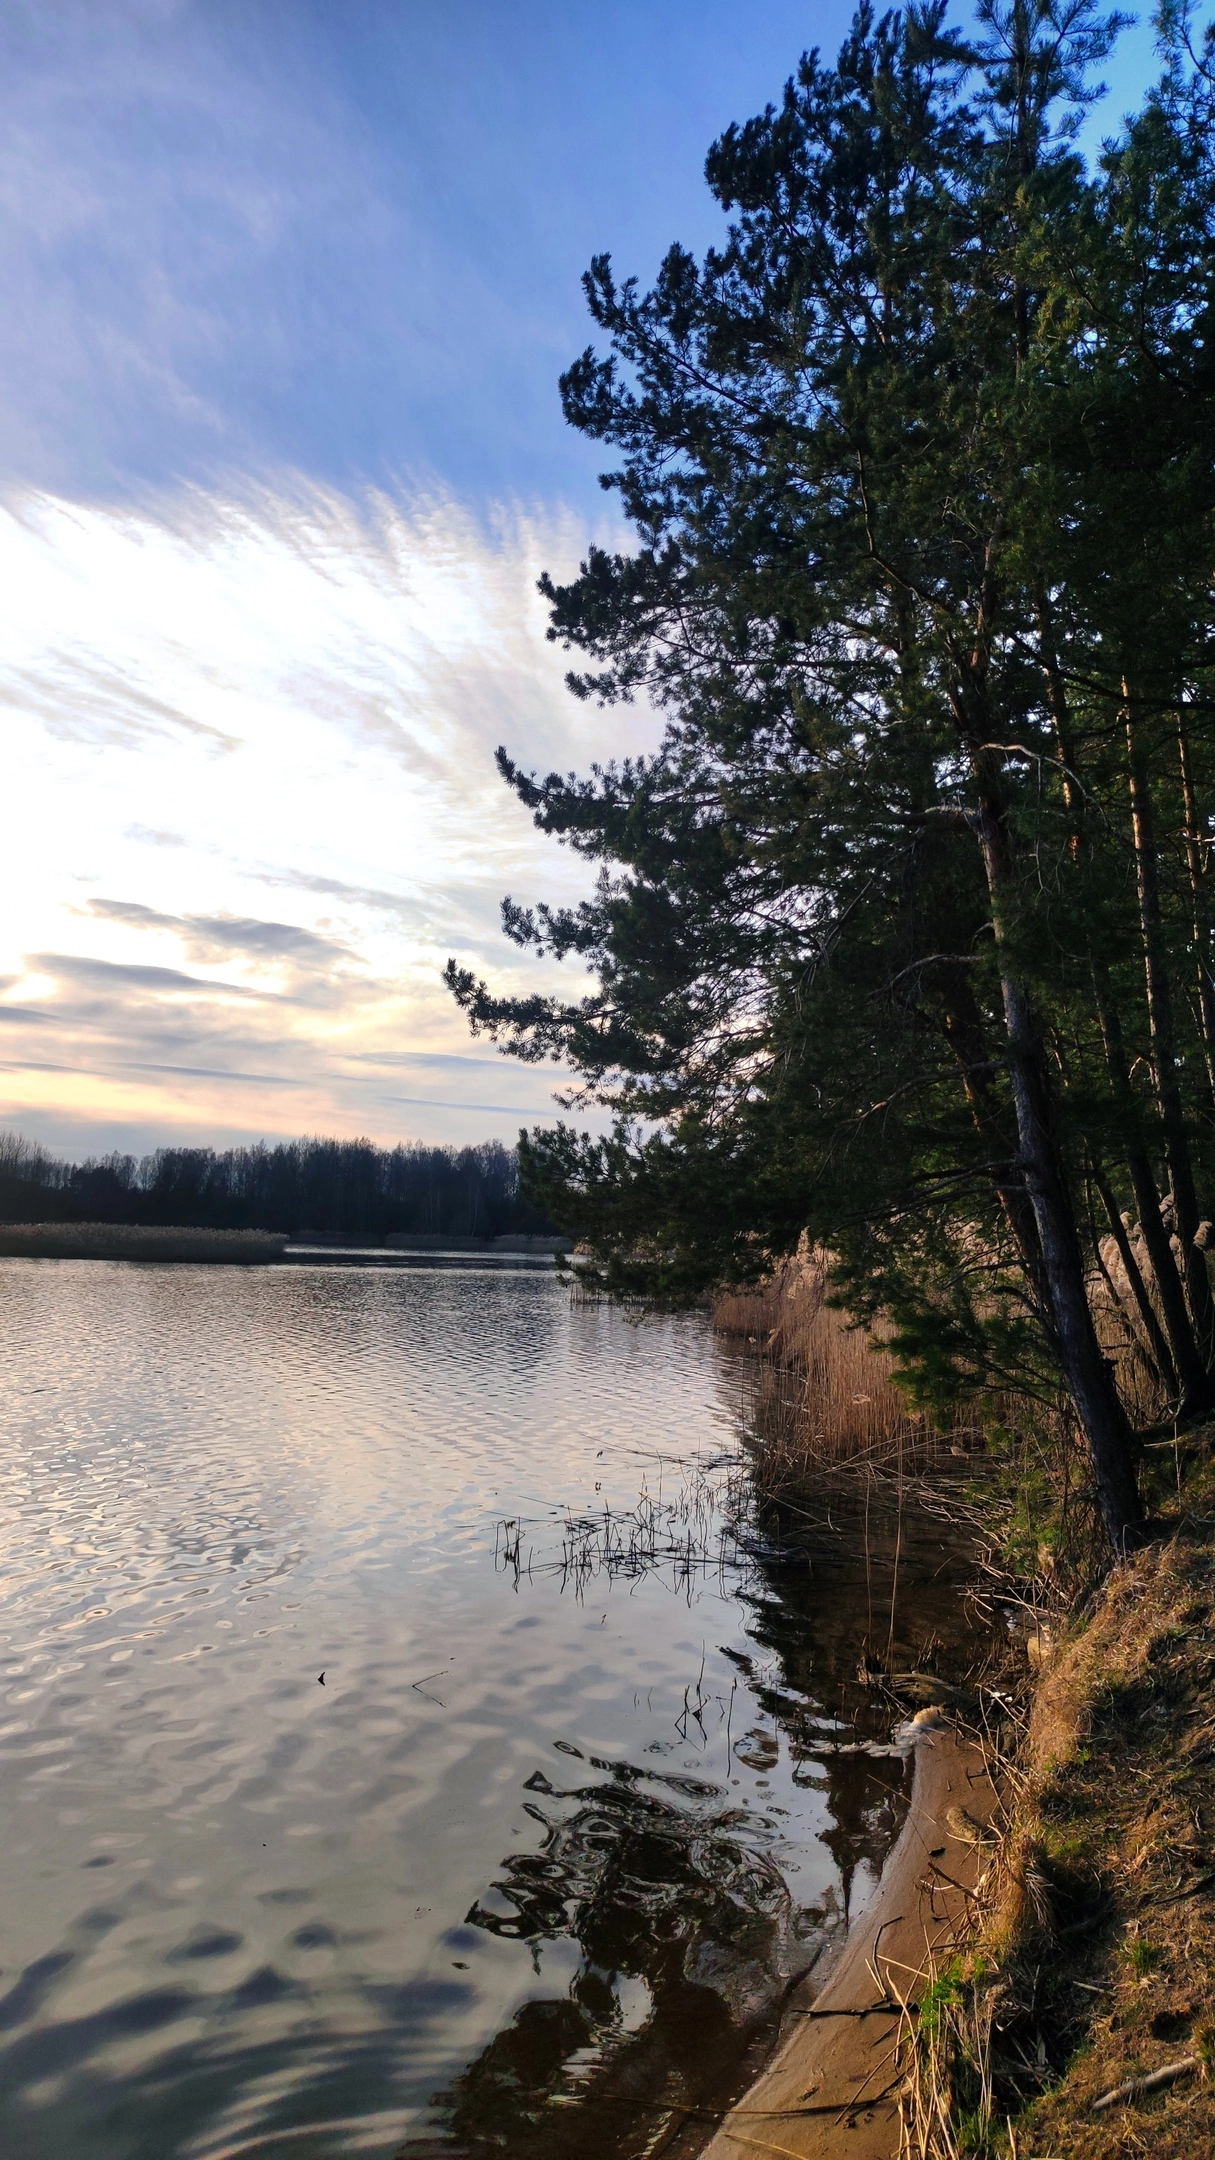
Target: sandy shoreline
{"type": "Point", "coordinates": [832, 2084]}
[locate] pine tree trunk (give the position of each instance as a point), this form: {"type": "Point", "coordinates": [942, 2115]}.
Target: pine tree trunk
{"type": "Point", "coordinates": [1191, 1377]}
{"type": "Point", "coordinates": [1160, 1023]}
{"type": "Point", "coordinates": [964, 1032]}
{"type": "Point", "coordinates": [1088, 1377]}
{"type": "Point", "coordinates": [1198, 895]}
{"type": "Point", "coordinates": [1085, 1371]}
{"type": "Point", "coordinates": [1139, 1291]}
{"type": "Point", "coordinates": [1195, 1381]}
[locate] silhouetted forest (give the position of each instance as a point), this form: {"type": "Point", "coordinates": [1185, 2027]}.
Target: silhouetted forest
{"type": "Point", "coordinates": [346, 1187]}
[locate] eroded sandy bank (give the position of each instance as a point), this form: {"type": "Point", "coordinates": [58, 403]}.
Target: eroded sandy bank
{"type": "Point", "coordinates": [832, 2084]}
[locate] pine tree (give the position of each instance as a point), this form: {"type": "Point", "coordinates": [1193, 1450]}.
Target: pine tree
{"type": "Point", "coordinates": [912, 895]}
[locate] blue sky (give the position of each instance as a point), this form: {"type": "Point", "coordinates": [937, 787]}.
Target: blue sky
{"type": "Point", "coordinates": [342, 236]}
{"type": "Point", "coordinates": [285, 287]}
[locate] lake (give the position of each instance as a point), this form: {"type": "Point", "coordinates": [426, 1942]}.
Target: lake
{"type": "Point", "coordinates": [526, 1872]}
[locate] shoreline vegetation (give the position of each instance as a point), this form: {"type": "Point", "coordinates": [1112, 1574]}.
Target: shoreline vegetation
{"type": "Point", "coordinates": [310, 1190]}
{"type": "Point", "coordinates": [1067, 2008]}
{"type": "Point", "coordinates": [824, 1391]}
{"type": "Point", "coordinates": [254, 1248]}
{"type": "Point", "coordinates": [128, 1241]}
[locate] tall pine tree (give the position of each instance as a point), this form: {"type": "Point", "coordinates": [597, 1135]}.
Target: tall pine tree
{"type": "Point", "coordinates": [901, 935]}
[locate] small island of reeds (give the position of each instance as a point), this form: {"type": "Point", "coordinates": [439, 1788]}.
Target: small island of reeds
{"type": "Point", "coordinates": [138, 1241]}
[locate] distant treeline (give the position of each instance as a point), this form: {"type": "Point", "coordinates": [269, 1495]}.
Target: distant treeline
{"type": "Point", "coordinates": [330, 1187]}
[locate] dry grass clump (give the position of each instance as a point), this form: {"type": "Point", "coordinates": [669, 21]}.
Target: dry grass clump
{"type": "Point", "coordinates": [137, 1241]}
{"type": "Point", "coordinates": [821, 1390]}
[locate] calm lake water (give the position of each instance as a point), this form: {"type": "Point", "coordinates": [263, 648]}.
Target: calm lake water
{"type": "Point", "coordinates": [526, 1871]}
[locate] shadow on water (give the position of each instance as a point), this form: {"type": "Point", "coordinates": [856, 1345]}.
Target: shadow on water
{"type": "Point", "coordinates": [74, 2103]}
{"type": "Point", "coordinates": [687, 1931]}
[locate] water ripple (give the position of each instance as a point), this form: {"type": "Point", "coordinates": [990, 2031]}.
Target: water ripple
{"type": "Point", "coordinates": [322, 1902]}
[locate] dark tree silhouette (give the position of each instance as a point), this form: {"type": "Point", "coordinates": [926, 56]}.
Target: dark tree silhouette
{"type": "Point", "coordinates": [345, 1188]}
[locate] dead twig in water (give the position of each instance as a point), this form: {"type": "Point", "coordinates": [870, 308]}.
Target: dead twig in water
{"type": "Point", "coordinates": [419, 1686]}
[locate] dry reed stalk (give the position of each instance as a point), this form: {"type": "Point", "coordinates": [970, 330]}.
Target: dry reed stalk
{"type": "Point", "coordinates": [947, 2105]}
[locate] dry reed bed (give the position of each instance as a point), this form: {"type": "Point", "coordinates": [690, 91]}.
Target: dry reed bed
{"type": "Point", "coordinates": [819, 1388]}
{"type": "Point", "coordinates": [138, 1241]}
{"type": "Point", "coordinates": [821, 1391]}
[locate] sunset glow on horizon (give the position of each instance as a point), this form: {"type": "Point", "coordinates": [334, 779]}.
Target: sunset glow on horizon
{"type": "Point", "coordinates": [259, 809]}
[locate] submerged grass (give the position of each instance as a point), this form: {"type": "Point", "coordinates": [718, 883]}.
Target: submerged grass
{"type": "Point", "coordinates": [681, 1530]}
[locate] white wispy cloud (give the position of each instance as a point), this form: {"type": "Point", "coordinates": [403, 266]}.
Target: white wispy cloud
{"type": "Point", "coordinates": [255, 808]}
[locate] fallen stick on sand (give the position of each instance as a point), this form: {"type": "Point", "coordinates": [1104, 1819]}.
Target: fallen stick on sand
{"type": "Point", "coordinates": [1150, 2082]}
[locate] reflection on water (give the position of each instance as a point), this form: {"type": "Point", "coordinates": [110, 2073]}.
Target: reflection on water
{"type": "Point", "coordinates": [529, 1868]}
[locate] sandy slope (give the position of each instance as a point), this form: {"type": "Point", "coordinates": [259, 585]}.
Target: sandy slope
{"type": "Point", "coordinates": [832, 2084]}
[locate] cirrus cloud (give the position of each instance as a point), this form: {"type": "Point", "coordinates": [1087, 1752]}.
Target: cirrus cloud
{"type": "Point", "coordinates": [258, 808]}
